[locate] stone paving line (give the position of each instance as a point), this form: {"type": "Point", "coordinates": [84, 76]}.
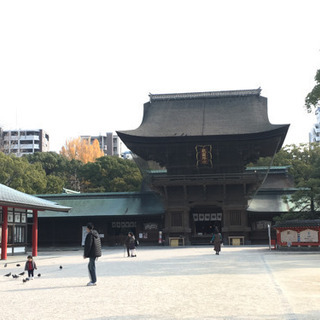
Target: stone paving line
{"type": "Point", "coordinates": [247, 282]}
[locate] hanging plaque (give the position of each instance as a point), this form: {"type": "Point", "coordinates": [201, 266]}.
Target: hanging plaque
{"type": "Point", "coordinates": [204, 156]}
{"type": "Point", "coordinates": [10, 217]}
{"type": "Point", "coordinates": [213, 216]}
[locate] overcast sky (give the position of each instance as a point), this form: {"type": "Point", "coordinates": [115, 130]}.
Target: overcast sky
{"type": "Point", "coordinates": [86, 67]}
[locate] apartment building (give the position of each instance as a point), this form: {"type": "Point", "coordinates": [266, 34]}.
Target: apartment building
{"type": "Point", "coordinates": [314, 135]}
{"type": "Point", "coordinates": [21, 142]}
{"type": "Point", "coordinates": [110, 144]}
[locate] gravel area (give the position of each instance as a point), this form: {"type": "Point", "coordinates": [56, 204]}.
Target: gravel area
{"type": "Point", "coordinates": [247, 282]}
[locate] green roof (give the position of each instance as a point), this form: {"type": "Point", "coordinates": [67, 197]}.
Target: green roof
{"type": "Point", "coordinates": [13, 198]}
{"type": "Point", "coordinates": [106, 204]}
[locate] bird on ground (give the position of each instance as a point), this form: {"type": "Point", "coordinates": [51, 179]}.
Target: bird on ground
{"type": "Point", "coordinates": [60, 267]}
{"type": "Point", "coordinates": [15, 276]}
{"type": "Point", "coordinates": [39, 274]}
{"type": "Point", "coordinates": [5, 265]}
{"type": "Point", "coordinates": [8, 274]}
{"type": "Point", "coordinates": [24, 280]}
{"type": "Point", "coordinates": [21, 273]}
{"type": "Point", "coordinates": [18, 265]}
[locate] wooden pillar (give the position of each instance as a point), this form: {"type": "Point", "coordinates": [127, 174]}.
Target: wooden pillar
{"type": "Point", "coordinates": [4, 239]}
{"type": "Point", "coordinates": [35, 234]}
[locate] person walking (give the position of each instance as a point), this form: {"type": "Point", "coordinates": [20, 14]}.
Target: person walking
{"type": "Point", "coordinates": [132, 244]}
{"type": "Point", "coordinates": [127, 243]}
{"type": "Point", "coordinates": [92, 250]}
{"type": "Point", "coordinates": [216, 239]}
{"type": "Point", "coordinates": [30, 266]}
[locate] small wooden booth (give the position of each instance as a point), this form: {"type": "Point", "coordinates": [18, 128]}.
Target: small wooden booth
{"type": "Point", "coordinates": [15, 209]}
{"type": "Point", "coordinates": [298, 233]}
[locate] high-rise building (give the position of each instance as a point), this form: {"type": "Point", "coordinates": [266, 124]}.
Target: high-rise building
{"type": "Point", "coordinates": [110, 144]}
{"type": "Point", "coordinates": [22, 142]}
{"type": "Point", "coordinates": [314, 135]}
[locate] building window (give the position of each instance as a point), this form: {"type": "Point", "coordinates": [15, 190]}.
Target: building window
{"type": "Point", "coordinates": [19, 234]}
{"type": "Point", "coordinates": [235, 218]}
{"type": "Point", "coordinates": [176, 219]}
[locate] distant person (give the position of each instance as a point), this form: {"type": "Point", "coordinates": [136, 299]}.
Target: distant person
{"type": "Point", "coordinates": [30, 266]}
{"type": "Point", "coordinates": [92, 250]}
{"type": "Point", "coordinates": [216, 239]}
{"type": "Point", "coordinates": [127, 243]}
{"type": "Point", "coordinates": [132, 245]}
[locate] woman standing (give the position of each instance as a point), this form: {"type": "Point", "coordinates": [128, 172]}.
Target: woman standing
{"type": "Point", "coordinates": [132, 244]}
{"type": "Point", "coordinates": [216, 239]}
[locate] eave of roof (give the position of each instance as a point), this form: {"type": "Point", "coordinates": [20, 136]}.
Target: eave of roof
{"type": "Point", "coordinates": [297, 223]}
{"type": "Point", "coordinates": [106, 204]}
{"type": "Point", "coordinates": [208, 94]}
{"type": "Point", "coordinates": [16, 199]}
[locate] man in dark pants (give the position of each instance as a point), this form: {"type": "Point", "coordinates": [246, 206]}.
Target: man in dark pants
{"type": "Point", "coordinates": [92, 250]}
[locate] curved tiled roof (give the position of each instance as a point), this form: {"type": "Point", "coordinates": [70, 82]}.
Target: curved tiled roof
{"type": "Point", "coordinates": [297, 223]}
{"type": "Point", "coordinates": [13, 198]}
{"type": "Point", "coordinates": [216, 113]}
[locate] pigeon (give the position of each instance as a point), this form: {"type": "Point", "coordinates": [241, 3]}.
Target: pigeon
{"type": "Point", "coordinates": [5, 265]}
{"type": "Point", "coordinates": [39, 274]}
{"type": "Point", "coordinates": [60, 267]}
{"type": "Point", "coordinates": [24, 280]}
{"type": "Point", "coordinates": [21, 274]}
{"type": "Point", "coordinates": [18, 265]}
{"type": "Point", "coordinates": [8, 274]}
{"type": "Point", "coordinates": [15, 276]}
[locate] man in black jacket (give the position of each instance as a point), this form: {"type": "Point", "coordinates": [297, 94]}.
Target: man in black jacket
{"type": "Point", "coordinates": [92, 250]}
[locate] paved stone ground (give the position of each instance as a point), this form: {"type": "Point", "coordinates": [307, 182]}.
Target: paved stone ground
{"type": "Point", "coordinates": [166, 283]}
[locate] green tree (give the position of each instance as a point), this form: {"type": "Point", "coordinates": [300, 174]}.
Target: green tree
{"type": "Point", "coordinates": [111, 174]}
{"type": "Point", "coordinates": [52, 162]}
{"type": "Point", "coordinates": [19, 174]}
{"type": "Point", "coordinates": [304, 163]}
{"type": "Point", "coordinates": [61, 172]}
{"type": "Point", "coordinates": [313, 97]}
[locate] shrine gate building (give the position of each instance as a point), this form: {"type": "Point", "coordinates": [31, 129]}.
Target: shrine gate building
{"type": "Point", "coordinates": [193, 149]}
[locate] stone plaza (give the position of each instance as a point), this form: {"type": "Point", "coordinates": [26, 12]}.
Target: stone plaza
{"type": "Point", "coordinates": [243, 282]}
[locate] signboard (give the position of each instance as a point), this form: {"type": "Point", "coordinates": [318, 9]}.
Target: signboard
{"type": "Point", "coordinates": [309, 235]}
{"type": "Point", "coordinates": [204, 155]}
{"type": "Point", "coordinates": [150, 226]}
{"type": "Point", "coordinates": [10, 217]}
{"type": "Point", "coordinates": [123, 224]}
{"type": "Point", "coordinates": [17, 217]}
{"type": "Point", "coordinates": [207, 217]}
{"type": "Point", "coordinates": [289, 236]}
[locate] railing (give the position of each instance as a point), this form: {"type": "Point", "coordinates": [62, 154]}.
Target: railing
{"type": "Point", "coordinates": [209, 177]}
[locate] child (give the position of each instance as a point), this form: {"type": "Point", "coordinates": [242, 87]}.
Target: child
{"type": "Point", "coordinates": [30, 266]}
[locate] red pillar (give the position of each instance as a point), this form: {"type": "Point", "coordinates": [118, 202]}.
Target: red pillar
{"type": "Point", "coordinates": [35, 233]}
{"type": "Point", "coordinates": [4, 239]}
